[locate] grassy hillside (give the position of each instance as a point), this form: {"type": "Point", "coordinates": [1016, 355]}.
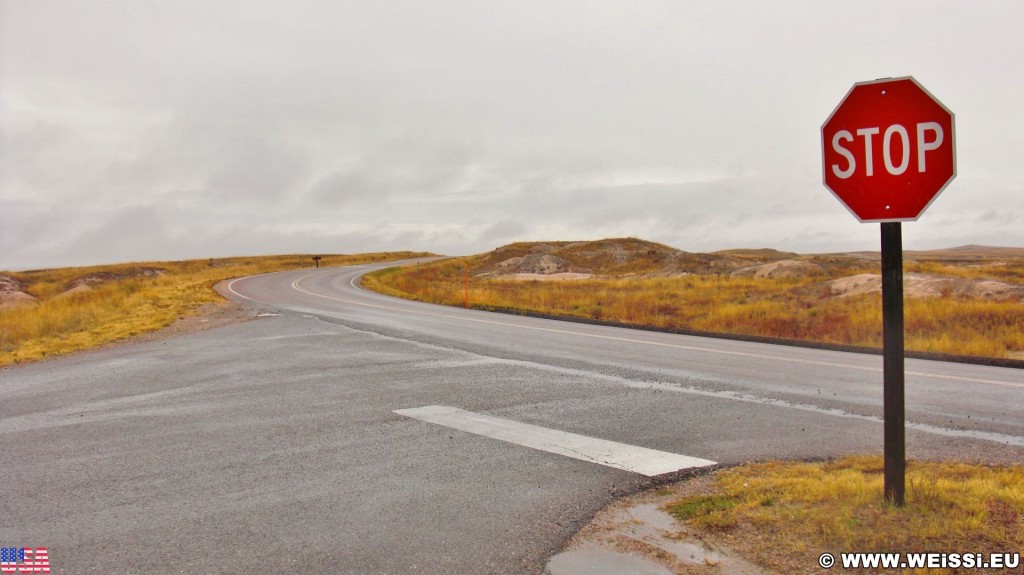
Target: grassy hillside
{"type": "Point", "coordinates": [80, 308]}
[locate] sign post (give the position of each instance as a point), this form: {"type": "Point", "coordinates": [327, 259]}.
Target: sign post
{"type": "Point", "coordinates": [888, 150]}
{"type": "Point", "coordinates": [892, 360]}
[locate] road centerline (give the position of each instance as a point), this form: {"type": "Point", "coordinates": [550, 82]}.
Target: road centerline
{"type": "Point", "coordinates": [641, 460]}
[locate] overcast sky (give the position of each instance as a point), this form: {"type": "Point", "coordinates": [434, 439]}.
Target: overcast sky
{"type": "Point", "coordinates": [147, 130]}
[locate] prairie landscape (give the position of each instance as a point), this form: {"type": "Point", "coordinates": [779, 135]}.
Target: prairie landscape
{"type": "Point", "coordinates": [962, 301]}
{"type": "Point", "coordinates": [52, 312]}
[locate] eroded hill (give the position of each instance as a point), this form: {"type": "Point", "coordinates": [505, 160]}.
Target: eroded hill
{"type": "Point", "coordinates": [968, 271]}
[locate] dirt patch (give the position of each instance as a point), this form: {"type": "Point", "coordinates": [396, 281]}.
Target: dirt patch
{"type": "Point", "coordinates": [12, 294]}
{"type": "Point", "coordinates": [638, 529]}
{"type": "Point", "coordinates": [925, 286]}
{"type": "Point", "coordinates": [208, 316]}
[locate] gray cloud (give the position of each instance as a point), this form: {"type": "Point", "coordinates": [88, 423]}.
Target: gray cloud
{"type": "Point", "coordinates": [154, 130]}
{"type": "Point", "coordinates": [502, 232]}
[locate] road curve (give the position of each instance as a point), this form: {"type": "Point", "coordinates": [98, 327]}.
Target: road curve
{"type": "Point", "coordinates": [950, 399]}
{"type": "Point", "coordinates": [313, 440]}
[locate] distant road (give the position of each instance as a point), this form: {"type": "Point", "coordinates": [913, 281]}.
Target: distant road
{"type": "Point", "coordinates": [350, 432]}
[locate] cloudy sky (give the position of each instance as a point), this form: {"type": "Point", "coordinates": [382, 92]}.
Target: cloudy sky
{"type": "Point", "coordinates": [145, 130]}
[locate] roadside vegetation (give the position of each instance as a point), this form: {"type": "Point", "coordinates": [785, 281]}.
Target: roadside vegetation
{"type": "Point", "coordinates": [70, 309]}
{"type": "Point", "coordinates": [800, 306]}
{"type": "Point", "coordinates": [783, 516]}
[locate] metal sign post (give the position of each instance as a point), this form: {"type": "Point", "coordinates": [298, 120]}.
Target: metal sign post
{"type": "Point", "coordinates": [892, 353]}
{"type": "Point", "coordinates": [888, 151]}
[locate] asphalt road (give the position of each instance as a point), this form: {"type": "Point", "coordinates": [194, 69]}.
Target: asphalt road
{"type": "Point", "coordinates": [274, 446]}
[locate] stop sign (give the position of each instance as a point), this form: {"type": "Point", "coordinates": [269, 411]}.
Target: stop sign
{"type": "Point", "coordinates": [888, 150]}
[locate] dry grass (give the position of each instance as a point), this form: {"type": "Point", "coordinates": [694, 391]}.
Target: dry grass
{"type": "Point", "coordinates": [784, 515]}
{"type": "Point", "coordinates": [799, 308]}
{"type": "Point", "coordinates": [123, 301]}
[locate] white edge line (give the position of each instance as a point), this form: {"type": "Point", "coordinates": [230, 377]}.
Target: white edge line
{"type": "Point", "coordinates": [230, 287]}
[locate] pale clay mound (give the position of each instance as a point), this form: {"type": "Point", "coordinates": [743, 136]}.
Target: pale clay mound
{"type": "Point", "coordinates": [924, 286]}
{"type": "Point", "coordinates": [779, 269]}
{"type": "Point", "coordinates": [11, 294]}
{"type": "Point", "coordinates": [544, 267]}
{"type": "Point", "coordinates": [80, 288]}
{"type": "Point", "coordinates": [536, 264]}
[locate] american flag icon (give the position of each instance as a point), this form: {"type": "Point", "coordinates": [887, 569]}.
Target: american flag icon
{"type": "Point", "coordinates": [24, 560]}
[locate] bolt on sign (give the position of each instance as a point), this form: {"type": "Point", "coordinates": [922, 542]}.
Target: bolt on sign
{"type": "Point", "coordinates": [887, 152]}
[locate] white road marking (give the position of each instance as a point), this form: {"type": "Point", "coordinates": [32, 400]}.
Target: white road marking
{"type": "Point", "coordinates": [649, 462]}
{"type": "Point", "coordinates": [297, 287]}
{"type": "Point", "coordinates": [231, 285]}
{"type": "Point", "coordinates": [231, 288]}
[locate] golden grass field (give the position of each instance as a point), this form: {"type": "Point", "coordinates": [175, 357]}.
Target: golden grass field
{"type": "Point", "coordinates": [798, 308]}
{"type": "Point", "coordinates": [784, 515]}
{"type": "Point", "coordinates": [125, 299]}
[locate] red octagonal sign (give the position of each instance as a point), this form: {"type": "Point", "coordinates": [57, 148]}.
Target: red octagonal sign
{"type": "Point", "coordinates": [888, 150]}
